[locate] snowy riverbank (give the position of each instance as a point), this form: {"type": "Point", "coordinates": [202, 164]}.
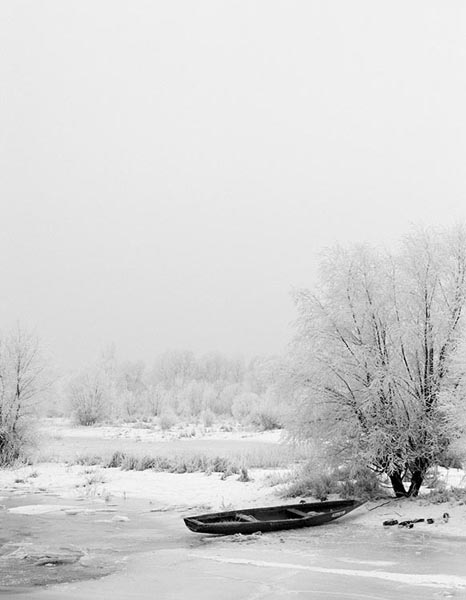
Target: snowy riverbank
{"type": "Point", "coordinates": [187, 491]}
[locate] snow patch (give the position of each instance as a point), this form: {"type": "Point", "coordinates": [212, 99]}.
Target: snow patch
{"type": "Point", "coordinates": [434, 580]}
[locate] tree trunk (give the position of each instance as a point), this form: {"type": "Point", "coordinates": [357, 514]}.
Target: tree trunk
{"type": "Point", "coordinates": [397, 484]}
{"type": "Point", "coordinates": [417, 478]}
{"type": "Point", "coordinates": [418, 472]}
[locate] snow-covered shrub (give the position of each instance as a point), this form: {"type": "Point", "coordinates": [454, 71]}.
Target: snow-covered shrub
{"type": "Point", "coordinates": [167, 419]}
{"type": "Point", "coordinates": [90, 397]}
{"type": "Point", "coordinates": [266, 416]}
{"type": "Point", "coordinates": [207, 418]}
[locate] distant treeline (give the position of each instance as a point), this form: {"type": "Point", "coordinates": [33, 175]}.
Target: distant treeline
{"type": "Point", "coordinates": [179, 387]}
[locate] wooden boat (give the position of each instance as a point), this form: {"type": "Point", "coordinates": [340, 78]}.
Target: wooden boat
{"type": "Point", "coordinates": [271, 518]}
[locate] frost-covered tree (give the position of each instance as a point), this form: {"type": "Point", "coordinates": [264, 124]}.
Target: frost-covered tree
{"type": "Point", "coordinates": [377, 371]}
{"type": "Point", "coordinates": [131, 388]}
{"type": "Point", "coordinates": [22, 382]}
{"type": "Point", "coordinates": [174, 368]}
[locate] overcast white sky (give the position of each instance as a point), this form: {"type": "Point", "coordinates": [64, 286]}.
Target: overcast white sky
{"type": "Point", "coordinates": [170, 169]}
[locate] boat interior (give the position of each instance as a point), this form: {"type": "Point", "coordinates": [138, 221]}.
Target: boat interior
{"type": "Point", "coordinates": [284, 514]}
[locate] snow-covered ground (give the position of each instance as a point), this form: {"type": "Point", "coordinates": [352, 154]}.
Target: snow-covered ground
{"type": "Point", "coordinates": [165, 490]}
{"type": "Point", "coordinates": [151, 432]}
{"type": "Point", "coordinates": [60, 440]}
{"type": "Point", "coordinates": [212, 492]}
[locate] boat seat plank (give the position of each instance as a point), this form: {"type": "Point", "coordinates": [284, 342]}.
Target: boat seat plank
{"type": "Point", "coordinates": [302, 513]}
{"type": "Point", "coordinates": [244, 517]}
{"type": "Point", "coordinates": [295, 511]}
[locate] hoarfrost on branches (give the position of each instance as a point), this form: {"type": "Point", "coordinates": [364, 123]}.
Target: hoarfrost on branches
{"type": "Point", "coordinates": [377, 365]}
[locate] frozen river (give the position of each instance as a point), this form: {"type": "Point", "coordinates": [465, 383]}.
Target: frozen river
{"type": "Point", "coordinates": [126, 551]}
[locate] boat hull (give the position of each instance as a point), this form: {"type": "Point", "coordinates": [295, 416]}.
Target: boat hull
{"type": "Point", "coordinates": [272, 518]}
